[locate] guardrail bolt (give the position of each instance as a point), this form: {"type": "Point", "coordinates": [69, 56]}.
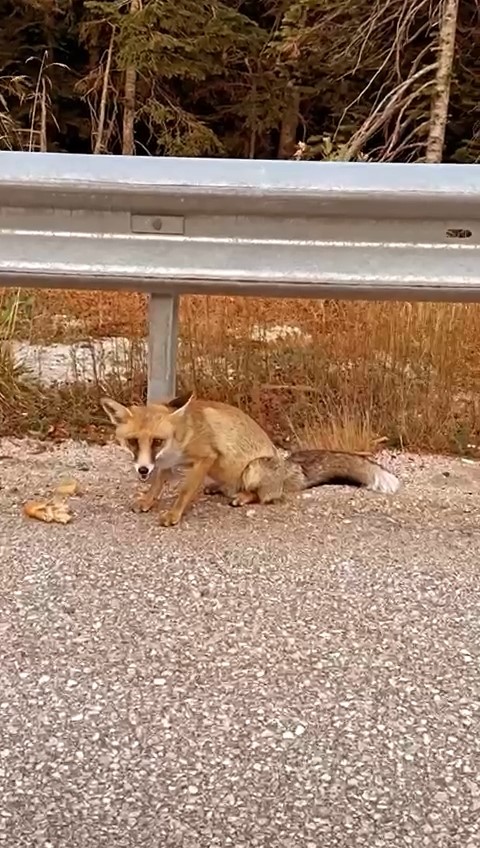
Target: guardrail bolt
{"type": "Point", "coordinates": [157, 224]}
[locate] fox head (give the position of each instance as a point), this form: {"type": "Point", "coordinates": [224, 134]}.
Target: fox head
{"type": "Point", "coordinates": [148, 431]}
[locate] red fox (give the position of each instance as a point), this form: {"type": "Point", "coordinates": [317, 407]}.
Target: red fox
{"type": "Point", "coordinates": [219, 443]}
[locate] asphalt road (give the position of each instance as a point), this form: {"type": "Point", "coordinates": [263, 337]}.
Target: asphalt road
{"type": "Point", "coordinates": [302, 676]}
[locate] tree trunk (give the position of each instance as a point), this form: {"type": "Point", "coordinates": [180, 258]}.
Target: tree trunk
{"type": "Point", "coordinates": [441, 94]}
{"type": "Point", "coordinates": [130, 98]}
{"type": "Point", "coordinates": [99, 141]}
{"type": "Point", "coordinates": [288, 129]}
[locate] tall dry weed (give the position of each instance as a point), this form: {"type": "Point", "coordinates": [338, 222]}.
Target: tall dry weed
{"type": "Point", "coordinates": [350, 375]}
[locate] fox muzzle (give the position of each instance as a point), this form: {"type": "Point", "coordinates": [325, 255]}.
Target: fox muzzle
{"type": "Point", "coordinates": [144, 471]}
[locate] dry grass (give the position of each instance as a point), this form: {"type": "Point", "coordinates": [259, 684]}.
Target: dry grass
{"type": "Point", "coordinates": [348, 376]}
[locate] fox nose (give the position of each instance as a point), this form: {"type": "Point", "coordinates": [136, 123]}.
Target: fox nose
{"type": "Point", "coordinates": [143, 472]}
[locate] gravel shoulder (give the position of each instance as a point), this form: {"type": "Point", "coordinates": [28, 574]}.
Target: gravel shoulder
{"type": "Point", "coordinates": [298, 675]}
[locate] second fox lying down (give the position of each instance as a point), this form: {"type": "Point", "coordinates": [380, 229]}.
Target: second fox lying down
{"type": "Point", "coordinates": [219, 443]}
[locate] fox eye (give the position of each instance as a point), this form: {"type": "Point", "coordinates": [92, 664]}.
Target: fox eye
{"type": "Point", "coordinates": [133, 445]}
{"type": "Point", "coordinates": [157, 445]}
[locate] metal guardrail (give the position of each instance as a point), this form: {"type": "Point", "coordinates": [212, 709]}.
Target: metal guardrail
{"type": "Point", "coordinates": [238, 227]}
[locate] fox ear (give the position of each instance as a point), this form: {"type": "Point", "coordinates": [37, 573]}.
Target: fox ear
{"type": "Point", "coordinates": [180, 401]}
{"type": "Point", "coordinates": [117, 413]}
{"type": "Point", "coordinates": [180, 404]}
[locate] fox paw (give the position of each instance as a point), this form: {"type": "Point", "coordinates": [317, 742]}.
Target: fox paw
{"type": "Point", "coordinates": [242, 499]}
{"type": "Point", "coordinates": [212, 490]}
{"type": "Point", "coordinates": [170, 518]}
{"type": "Point", "coordinates": [142, 504]}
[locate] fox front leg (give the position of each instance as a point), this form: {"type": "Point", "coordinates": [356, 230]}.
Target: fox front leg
{"type": "Point", "coordinates": [194, 480]}
{"type": "Point", "coordinates": [212, 488]}
{"type": "Point", "coordinates": [146, 501]}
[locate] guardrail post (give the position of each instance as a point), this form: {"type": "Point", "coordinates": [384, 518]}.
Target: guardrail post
{"type": "Point", "coordinates": [162, 346]}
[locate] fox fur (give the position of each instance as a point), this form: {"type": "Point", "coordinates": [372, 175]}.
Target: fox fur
{"type": "Point", "coordinates": [221, 444]}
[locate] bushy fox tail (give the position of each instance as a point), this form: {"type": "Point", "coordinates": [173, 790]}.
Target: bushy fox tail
{"type": "Point", "coordinates": [319, 467]}
{"type": "Point", "coordinates": [272, 477]}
